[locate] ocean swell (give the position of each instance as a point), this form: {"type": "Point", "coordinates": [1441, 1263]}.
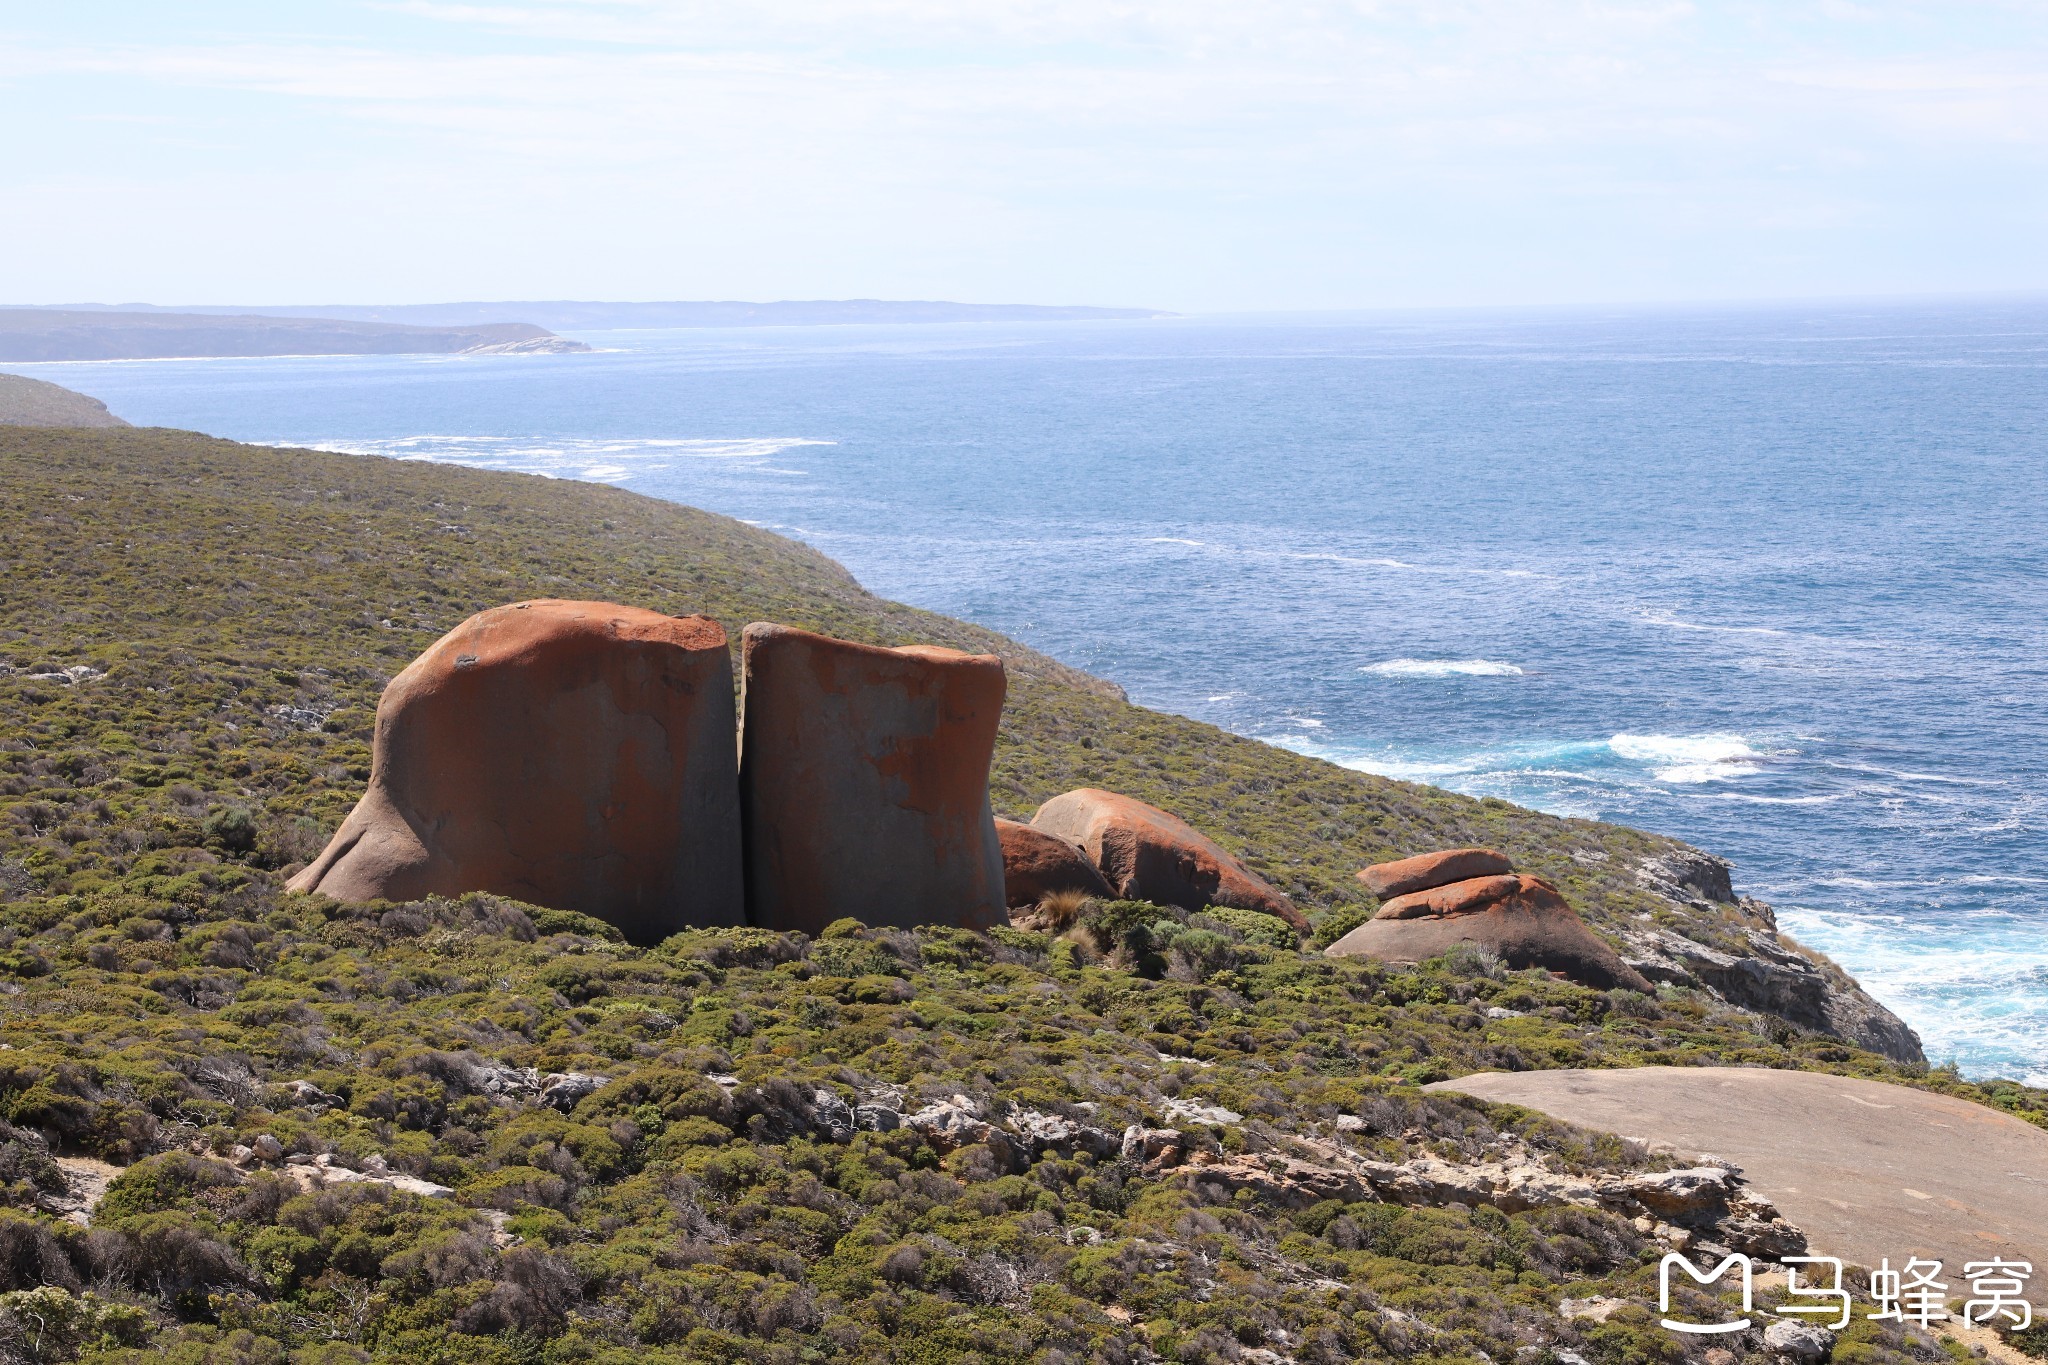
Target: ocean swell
{"type": "Point", "coordinates": [1442, 668]}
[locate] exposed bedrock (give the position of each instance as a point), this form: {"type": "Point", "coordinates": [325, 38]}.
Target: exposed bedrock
{"type": "Point", "coordinates": [1533, 927]}
{"type": "Point", "coordinates": [864, 783]}
{"type": "Point", "coordinates": [575, 755]}
{"type": "Point", "coordinates": [1037, 862]}
{"type": "Point", "coordinates": [1750, 964]}
{"type": "Point", "coordinates": [1146, 854]}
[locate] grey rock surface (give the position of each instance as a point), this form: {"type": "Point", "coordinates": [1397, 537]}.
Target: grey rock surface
{"type": "Point", "coordinates": [1866, 1169]}
{"type": "Point", "coordinates": [1755, 969]}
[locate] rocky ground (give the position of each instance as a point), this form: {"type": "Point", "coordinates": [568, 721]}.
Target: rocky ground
{"type": "Point", "coordinates": [1866, 1170]}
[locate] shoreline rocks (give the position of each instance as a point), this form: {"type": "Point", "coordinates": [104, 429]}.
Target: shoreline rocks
{"type": "Point", "coordinates": [1754, 968]}
{"type": "Point", "coordinates": [574, 755]}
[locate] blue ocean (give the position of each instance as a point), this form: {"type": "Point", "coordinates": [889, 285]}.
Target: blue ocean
{"type": "Point", "coordinates": [1771, 580]}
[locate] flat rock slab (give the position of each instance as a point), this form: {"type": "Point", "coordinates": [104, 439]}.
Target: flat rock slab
{"type": "Point", "coordinates": [1868, 1170]}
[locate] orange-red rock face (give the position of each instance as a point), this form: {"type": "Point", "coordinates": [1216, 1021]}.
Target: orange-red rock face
{"type": "Point", "coordinates": [1456, 898]}
{"type": "Point", "coordinates": [1146, 854]}
{"type": "Point", "coordinates": [1534, 927]}
{"type": "Point", "coordinates": [576, 755]}
{"type": "Point", "coordinates": [1426, 870]}
{"type": "Point", "coordinates": [864, 783]}
{"type": "Point", "coordinates": [1037, 863]}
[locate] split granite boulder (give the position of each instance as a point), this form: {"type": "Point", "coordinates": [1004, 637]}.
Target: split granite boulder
{"type": "Point", "coordinates": [1037, 862]}
{"type": "Point", "coordinates": [1457, 898]}
{"type": "Point", "coordinates": [574, 755]}
{"type": "Point", "coordinates": [1426, 870]}
{"type": "Point", "coordinates": [864, 783]}
{"type": "Point", "coordinates": [1468, 897]}
{"type": "Point", "coordinates": [1146, 854]}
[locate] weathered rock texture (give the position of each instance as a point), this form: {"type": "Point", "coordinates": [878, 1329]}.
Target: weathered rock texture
{"type": "Point", "coordinates": [1453, 899]}
{"type": "Point", "coordinates": [1749, 964]}
{"type": "Point", "coordinates": [1146, 854]}
{"type": "Point", "coordinates": [864, 783]}
{"type": "Point", "coordinates": [1704, 1206]}
{"type": "Point", "coordinates": [575, 755]}
{"type": "Point", "coordinates": [1424, 870]}
{"type": "Point", "coordinates": [1037, 862]}
{"type": "Point", "coordinates": [1534, 927]}
{"type": "Point", "coordinates": [1869, 1169]}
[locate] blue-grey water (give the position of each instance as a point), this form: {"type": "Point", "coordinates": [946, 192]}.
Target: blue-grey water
{"type": "Point", "coordinates": [1774, 581]}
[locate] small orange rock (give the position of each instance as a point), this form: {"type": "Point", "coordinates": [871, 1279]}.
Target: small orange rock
{"type": "Point", "coordinates": [1037, 863]}
{"type": "Point", "coordinates": [1146, 854]}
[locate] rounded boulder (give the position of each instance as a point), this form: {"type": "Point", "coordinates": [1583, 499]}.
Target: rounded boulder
{"type": "Point", "coordinates": [1037, 863]}
{"type": "Point", "coordinates": [1425, 870]}
{"type": "Point", "coordinates": [864, 783]}
{"type": "Point", "coordinates": [1146, 854]}
{"type": "Point", "coordinates": [1534, 927]}
{"type": "Point", "coordinates": [574, 755]}
{"type": "Point", "coordinates": [1457, 898]}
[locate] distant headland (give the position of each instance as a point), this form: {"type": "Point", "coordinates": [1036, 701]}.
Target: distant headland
{"type": "Point", "coordinates": [26, 402]}
{"type": "Point", "coordinates": [574, 315]}
{"type": "Point", "coordinates": [43, 334]}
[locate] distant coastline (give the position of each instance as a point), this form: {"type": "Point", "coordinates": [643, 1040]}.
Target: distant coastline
{"type": "Point", "coordinates": [574, 315]}
{"type": "Point", "coordinates": [46, 334]}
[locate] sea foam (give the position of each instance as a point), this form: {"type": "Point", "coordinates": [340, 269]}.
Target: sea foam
{"type": "Point", "coordinates": [594, 460]}
{"type": "Point", "coordinates": [1688, 758]}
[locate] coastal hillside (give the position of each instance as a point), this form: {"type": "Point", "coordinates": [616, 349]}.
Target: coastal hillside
{"type": "Point", "coordinates": [26, 402]}
{"type": "Point", "coordinates": [245, 1124]}
{"type": "Point", "coordinates": [42, 334]}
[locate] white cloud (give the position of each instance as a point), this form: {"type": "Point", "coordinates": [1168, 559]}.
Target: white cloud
{"type": "Point", "coordinates": [1342, 152]}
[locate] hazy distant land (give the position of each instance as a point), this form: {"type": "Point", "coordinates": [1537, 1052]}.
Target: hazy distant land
{"type": "Point", "coordinates": [571, 315]}
{"type": "Point", "coordinates": [32, 334]}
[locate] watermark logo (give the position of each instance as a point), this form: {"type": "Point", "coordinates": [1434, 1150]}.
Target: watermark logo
{"type": "Point", "coordinates": [1915, 1294]}
{"type": "Point", "coordinates": [1999, 1285]}
{"type": "Point", "coordinates": [1831, 1300]}
{"type": "Point", "coordinates": [1674, 1260]}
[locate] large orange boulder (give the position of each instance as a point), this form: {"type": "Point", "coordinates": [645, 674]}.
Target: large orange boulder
{"type": "Point", "coordinates": [1534, 927]}
{"type": "Point", "coordinates": [575, 755]}
{"type": "Point", "coordinates": [1037, 863]}
{"type": "Point", "coordinates": [1425, 870]}
{"type": "Point", "coordinates": [864, 783]}
{"type": "Point", "coordinates": [1146, 854]}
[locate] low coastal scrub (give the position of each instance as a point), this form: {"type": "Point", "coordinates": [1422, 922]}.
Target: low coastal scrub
{"type": "Point", "coordinates": [714, 1197]}
{"type": "Point", "coordinates": [475, 1130]}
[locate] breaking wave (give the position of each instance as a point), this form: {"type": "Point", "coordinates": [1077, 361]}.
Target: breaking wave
{"type": "Point", "coordinates": [1689, 758]}
{"type": "Point", "coordinates": [594, 460]}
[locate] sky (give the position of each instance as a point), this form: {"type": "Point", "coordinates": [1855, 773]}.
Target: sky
{"type": "Point", "coordinates": [1196, 155]}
